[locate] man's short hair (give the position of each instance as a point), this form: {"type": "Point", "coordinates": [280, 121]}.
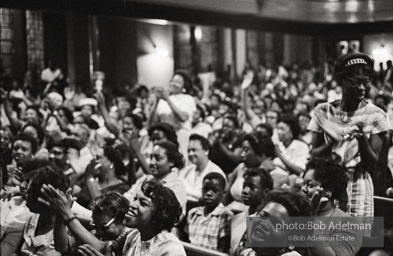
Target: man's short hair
{"type": "Point", "coordinates": [216, 176]}
{"type": "Point", "coordinates": [204, 142]}
{"type": "Point", "coordinates": [266, 178]}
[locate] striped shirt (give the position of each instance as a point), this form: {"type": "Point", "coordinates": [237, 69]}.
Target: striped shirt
{"type": "Point", "coordinates": [373, 120]}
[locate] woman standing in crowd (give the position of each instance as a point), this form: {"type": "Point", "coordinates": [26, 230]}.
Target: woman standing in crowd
{"type": "Point", "coordinates": [176, 107]}
{"type": "Point", "coordinates": [353, 130]}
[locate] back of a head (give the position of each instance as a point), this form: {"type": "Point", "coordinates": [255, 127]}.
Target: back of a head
{"type": "Point", "coordinates": [37, 178]}
{"type": "Point", "coordinates": [167, 129]}
{"type": "Point", "coordinates": [296, 204]}
{"type": "Point", "coordinates": [112, 204]}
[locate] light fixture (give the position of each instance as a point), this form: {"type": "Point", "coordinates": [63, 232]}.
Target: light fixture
{"type": "Point", "coordinates": [156, 21]}
{"type": "Point", "coordinates": [161, 51]}
{"type": "Point", "coordinates": [198, 33]}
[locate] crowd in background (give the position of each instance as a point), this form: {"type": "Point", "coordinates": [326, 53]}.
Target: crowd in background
{"type": "Point", "coordinates": [90, 169]}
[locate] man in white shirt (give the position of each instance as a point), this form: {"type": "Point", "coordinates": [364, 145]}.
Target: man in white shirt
{"type": "Point", "coordinates": [80, 160]}
{"type": "Point", "coordinates": [193, 174]}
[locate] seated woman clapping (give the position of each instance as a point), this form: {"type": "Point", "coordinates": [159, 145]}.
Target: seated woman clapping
{"type": "Point", "coordinates": [152, 213]}
{"type": "Point", "coordinates": [107, 220]}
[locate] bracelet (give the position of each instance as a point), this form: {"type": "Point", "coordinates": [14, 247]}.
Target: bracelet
{"type": "Point", "coordinates": [66, 222]}
{"type": "Point", "coordinates": [92, 179]}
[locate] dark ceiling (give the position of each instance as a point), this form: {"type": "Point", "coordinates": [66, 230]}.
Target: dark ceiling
{"type": "Point", "coordinates": [313, 17]}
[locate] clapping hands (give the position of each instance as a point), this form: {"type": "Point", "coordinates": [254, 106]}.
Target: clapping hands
{"type": "Point", "coordinates": [57, 199]}
{"type": "Point", "coordinates": [161, 93]}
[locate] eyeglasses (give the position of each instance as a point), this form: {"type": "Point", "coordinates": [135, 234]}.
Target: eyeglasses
{"type": "Point", "coordinates": [358, 81]}
{"type": "Point", "coordinates": [57, 153]}
{"type": "Point", "coordinates": [271, 117]}
{"type": "Point", "coordinates": [103, 226]}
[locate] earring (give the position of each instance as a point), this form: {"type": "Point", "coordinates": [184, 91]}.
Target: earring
{"type": "Point", "coordinates": [184, 90]}
{"type": "Point", "coordinates": [291, 247]}
{"type": "Point", "coordinates": [111, 166]}
{"type": "Point", "coordinates": [328, 194]}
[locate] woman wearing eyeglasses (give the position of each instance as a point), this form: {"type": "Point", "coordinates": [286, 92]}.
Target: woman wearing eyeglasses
{"type": "Point", "coordinates": [353, 130]}
{"type": "Point", "coordinates": [108, 215]}
{"type": "Point", "coordinates": [325, 184]}
{"type": "Point", "coordinates": [152, 214]}
{"type": "Point", "coordinates": [279, 205]}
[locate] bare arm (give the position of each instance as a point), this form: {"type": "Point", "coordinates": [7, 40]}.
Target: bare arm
{"type": "Point", "coordinates": [180, 114]}
{"type": "Point", "coordinates": [15, 123]}
{"type": "Point", "coordinates": [90, 181]}
{"type": "Point", "coordinates": [60, 236]}
{"type": "Point", "coordinates": [153, 114]}
{"type": "Point", "coordinates": [231, 179]}
{"type": "Point", "coordinates": [371, 148]}
{"type": "Point", "coordinates": [245, 104]}
{"type": "Point", "coordinates": [105, 114]}
{"type": "Point", "coordinates": [291, 166]}
{"type": "Point", "coordinates": [319, 146]}
{"type": "Point", "coordinates": [62, 203]}
{"type": "Point", "coordinates": [235, 155]}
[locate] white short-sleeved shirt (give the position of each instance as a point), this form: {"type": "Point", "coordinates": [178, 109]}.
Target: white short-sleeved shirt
{"type": "Point", "coordinates": [297, 153]}
{"type": "Point", "coordinates": [193, 180]}
{"type": "Point", "coordinates": [183, 101]}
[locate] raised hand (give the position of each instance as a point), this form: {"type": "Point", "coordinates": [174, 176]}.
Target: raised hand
{"type": "Point", "coordinates": [247, 80]}
{"type": "Point", "coordinates": [100, 97]}
{"type": "Point", "coordinates": [91, 168]}
{"type": "Point", "coordinates": [56, 199]}
{"type": "Point", "coordinates": [161, 93]}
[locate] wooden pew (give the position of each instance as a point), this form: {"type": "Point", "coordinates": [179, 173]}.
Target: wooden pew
{"type": "Point", "coordinates": [192, 250]}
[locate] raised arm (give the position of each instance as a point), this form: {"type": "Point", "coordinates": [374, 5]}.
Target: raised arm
{"type": "Point", "coordinates": [245, 103]}
{"type": "Point", "coordinates": [62, 204]}
{"type": "Point", "coordinates": [180, 114]}
{"type": "Point", "coordinates": [90, 181]}
{"type": "Point", "coordinates": [105, 114]}
{"type": "Point", "coordinates": [15, 123]}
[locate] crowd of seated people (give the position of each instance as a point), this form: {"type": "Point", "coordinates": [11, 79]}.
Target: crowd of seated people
{"type": "Point", "coordinates": [147, 170]}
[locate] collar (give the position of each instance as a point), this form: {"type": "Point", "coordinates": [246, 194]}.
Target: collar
{"type": "Point", "coordinates": [216, 212]}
